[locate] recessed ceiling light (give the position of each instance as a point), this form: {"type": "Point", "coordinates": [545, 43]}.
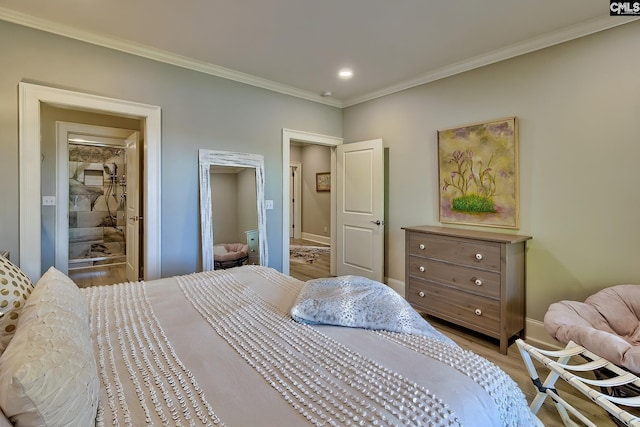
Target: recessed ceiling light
{"type": "Point", "coordinates": [326, 93]}
{"type": "Point", "coordinates": [345, 73]}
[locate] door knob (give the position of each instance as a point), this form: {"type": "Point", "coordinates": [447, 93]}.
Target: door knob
{"type": "Point", "coordinates": [376, 222]}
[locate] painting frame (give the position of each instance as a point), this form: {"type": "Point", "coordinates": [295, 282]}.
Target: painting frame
{"type": "Point", "coordinates": [323, 182]}
{"type": "Point", "coordinates": [478, 176]}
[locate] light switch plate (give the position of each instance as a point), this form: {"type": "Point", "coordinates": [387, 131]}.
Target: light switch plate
{"type": "Point", "coordinates": [48, 200]}
{"type": "Point", "coordinates": [268, 204]}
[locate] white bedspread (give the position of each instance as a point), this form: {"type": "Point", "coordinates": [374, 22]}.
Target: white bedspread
{"type": "Point", "coordinates": [221, 348]}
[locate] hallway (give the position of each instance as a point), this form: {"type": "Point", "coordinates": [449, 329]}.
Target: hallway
{"type": "Point", "coordinates": [318, 266]}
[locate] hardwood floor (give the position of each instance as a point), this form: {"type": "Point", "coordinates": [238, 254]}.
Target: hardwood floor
{"type": "Point", "coordinates": [99, 275]}
{"type": "Point", "coordinates": [513, 365]}
{"type": "Point", "coordinates": [320, 267]}
{"type": "Point", "coordinates": [109, 274]}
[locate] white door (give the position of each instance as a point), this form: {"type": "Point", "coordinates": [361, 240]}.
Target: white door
{"type": "Point", "coordinates": [360, 209]}
{"type": "Point", "coordinates": [132, 209]}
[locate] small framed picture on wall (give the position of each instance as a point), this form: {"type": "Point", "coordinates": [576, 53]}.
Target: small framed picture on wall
{"type": "Point", "coordinates": [323, 181]}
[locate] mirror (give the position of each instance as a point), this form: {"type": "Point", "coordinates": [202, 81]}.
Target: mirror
{"type": "Point", "coordinates": [214, 163]}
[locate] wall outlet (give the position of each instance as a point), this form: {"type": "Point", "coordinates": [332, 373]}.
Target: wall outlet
{"type": "Point", "coordinates": [326, 229]}
{"type": "Point", "coordinates": [268, 204]}
{"type": "Point", "coordinates": [48, 200]}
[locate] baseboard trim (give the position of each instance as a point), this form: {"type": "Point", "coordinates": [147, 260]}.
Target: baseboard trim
{"type": "Point", "coordinates": [536, 335]}
{"type": "Point", "coordinates": [396, 285]}
{"type": "Point", "coordinates": [324, 240]}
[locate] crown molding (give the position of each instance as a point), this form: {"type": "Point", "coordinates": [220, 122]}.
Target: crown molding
{"type": "Point", "coordinates": [160, 56]}
{"type": "Point", "coordinates": [531, 45]}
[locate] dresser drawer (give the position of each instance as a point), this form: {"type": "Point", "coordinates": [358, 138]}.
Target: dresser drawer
{"type": "Point", "coordinates": [481, 282]}
{"type": "Point", "coordinates": [473, 253]}
{"type": "Point", "coordinates": [442, 265]}
{"type": "Point", "coordinates": [475, 312]}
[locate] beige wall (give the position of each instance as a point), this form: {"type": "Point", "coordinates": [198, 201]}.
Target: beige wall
{"type": "Point", "coordinates": [316, 206]}
{"type": "Point", "coordinates": [224, 207]}
{"type": "Point", "coordinates": [198, 111]}
{"type": "Point", "coordinates": [247, 205]}
{"type": "Point", "coordinates": [578, 106]}
{"type": "Point", "coordinates": [233, 204]}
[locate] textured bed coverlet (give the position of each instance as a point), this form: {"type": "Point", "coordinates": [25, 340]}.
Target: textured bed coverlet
{"type": "Point", "coordinates": [221, 348]}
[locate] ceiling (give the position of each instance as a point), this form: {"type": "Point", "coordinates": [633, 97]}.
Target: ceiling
{"type": "Point", "coordinates": [298, 46]}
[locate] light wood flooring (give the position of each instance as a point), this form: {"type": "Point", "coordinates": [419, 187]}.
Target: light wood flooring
{"type": "Point", "coordinates": [109, 274]}
{"type": "Point", "coordinates": [99, 275]}
{"type": "Point", "coordinates": [319, 268]}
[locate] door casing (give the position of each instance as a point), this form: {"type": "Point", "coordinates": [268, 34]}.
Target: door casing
{"type": "Point", "coordinates": [30, 98]}
{"type": "Point", "coordinates": [132, 208]}
{"type": "Point", "coordinates": [295, 200]}
{"type": "Point", "coordinates": [289, 135]}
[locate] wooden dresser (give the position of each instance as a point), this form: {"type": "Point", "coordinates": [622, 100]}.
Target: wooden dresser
{"type": "Point", "coordinates": [471, 278]}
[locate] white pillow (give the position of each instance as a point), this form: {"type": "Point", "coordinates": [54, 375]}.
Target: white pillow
{"type": "Point", "coordinates": [219, 250]}
{"type": "Point", "coordinates": [48, 373]}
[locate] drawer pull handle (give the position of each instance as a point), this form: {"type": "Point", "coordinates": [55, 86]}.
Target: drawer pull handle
{"type": "Point", "coordinates": [421, 268]}
{"type": "Point", "coordinates": [421, 246]}
{"type": "Point", "coordinates": [478, 312]}
{"type": "Point", "coordinates": [478, 256]}
{"type": "Point", "coordinates": [421, 294]}
{"type": "Point", "coordinates": [477, 282]}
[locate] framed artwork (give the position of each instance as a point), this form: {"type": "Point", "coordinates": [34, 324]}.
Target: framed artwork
{"type": "Point", "coordinates": [323, 181]}
{"type": "Point", "coordinates": [478, 174]}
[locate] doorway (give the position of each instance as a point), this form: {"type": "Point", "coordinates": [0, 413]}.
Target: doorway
{"type": "Point", "coordinates": [31, 98]}
{"type": "Point", "coordinates": [356, 181]}
{"type": "Point", "coordinates": [291, 138]}
{"type": "Point", "coordinates": [310, 213]}
{"type": "Point", "coordinates": [97, 178]}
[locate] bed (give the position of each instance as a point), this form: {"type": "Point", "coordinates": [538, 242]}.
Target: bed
{"type": "Point", "coordinates": [222, 348]}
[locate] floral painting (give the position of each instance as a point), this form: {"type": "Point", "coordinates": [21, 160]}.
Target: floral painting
{"type": "Point", "coordinates": [478, 174]}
